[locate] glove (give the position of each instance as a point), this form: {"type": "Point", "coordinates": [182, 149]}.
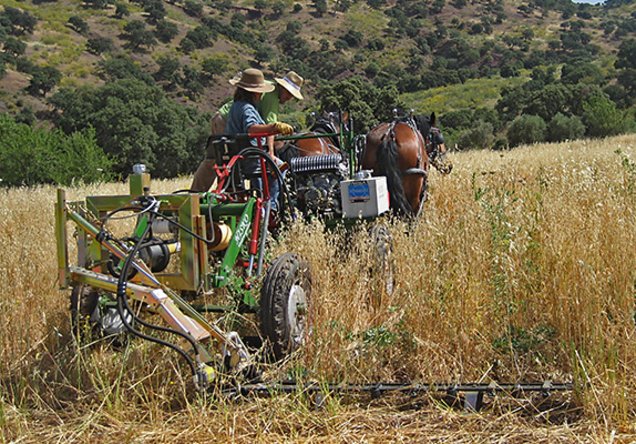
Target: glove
{"type": "Point", "coordinates": [283, 128]}
{"type": "Point", "coordinates": [282, 165]}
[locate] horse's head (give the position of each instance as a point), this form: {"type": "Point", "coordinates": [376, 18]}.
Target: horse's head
{"type": "Point", "coordinates": [329, 122]}
{"type": "Point", "coordinates": [435, 146]}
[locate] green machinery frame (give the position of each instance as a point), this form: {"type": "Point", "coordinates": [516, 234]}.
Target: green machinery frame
{"type": "Point", "coordinates": [163, 290]}
{"type": "Point", "coordinates": [96, 246]}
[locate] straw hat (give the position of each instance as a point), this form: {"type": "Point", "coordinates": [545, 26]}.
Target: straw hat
{"type": "Point", "coordinates": [292, 83]}
{"type": "Point", "coordinates": [252, 80]}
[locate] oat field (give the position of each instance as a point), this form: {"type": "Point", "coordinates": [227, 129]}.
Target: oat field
{"type": "Point", "coordinates": [522, 268]}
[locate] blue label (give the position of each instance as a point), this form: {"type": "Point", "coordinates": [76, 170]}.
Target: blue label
{"type": "Point", "coordinates": [359, 192]}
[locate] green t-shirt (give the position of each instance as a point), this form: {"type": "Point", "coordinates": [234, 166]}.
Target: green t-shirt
{"type": "Point", "coordinates": [267, 107]}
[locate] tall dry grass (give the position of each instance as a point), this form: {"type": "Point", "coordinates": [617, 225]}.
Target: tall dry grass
{"type": "Point", "coordinates": [523, 267]}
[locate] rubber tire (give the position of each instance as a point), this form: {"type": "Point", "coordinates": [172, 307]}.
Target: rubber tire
{"type": "Point", "coordinates": [83, 302]}
{"type": "Point", "coordinates": [285, 271]}
{"type": "Point", "coordinates": [382, 271]}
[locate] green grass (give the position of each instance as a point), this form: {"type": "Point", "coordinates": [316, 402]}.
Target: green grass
{"type": "Point", "coordinates": [368, 21]}
{"type": "Point", "coordinates": [79, 70]}
{"type": "Point", "coordinates": [181, 17]}
{"type": "Point", "coordinates": [475, 93]}
{"type": "Point", "coordinates": [60, 50]}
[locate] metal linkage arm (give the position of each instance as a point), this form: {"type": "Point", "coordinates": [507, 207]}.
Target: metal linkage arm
{"type": "Point", "coordinates": [155, 297]}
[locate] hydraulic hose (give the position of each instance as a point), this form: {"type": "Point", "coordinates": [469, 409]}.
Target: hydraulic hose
{"type": "Point", "coordinates": [279, 177]}
{"type": "Point", "coordinates": [122, 304]}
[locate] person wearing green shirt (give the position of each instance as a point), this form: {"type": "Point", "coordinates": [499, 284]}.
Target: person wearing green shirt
{"type": "Point", "coordinates": [286, 88]}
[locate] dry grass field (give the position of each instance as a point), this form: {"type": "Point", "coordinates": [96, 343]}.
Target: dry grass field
{"type": "Point", "coordinates": [523, 268]}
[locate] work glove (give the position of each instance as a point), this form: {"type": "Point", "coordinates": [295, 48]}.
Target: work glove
{"type": "Point", "coordinates": [282, 165]}
{"type": "Point", "coordinates": [283, 128]}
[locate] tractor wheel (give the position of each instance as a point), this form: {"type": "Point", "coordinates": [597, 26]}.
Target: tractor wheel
{"type": "Point", "coordinates": [382, 267]}
{"type": "Point", "coordinates": [284, 304]}
{"type": "Point", "coordinates": [91, 319]}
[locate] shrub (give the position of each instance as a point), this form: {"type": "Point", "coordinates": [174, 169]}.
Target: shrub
{"type": "Point", "coordinates": [78, 24]}
{"type": "Point", "coordinates": [479, 136]}
{"type": "Point", "coordinates": [199, 36]}
{"type": "Point", "coordinates": [372, 69]}
{"type": "Point", "coordinates": [24, 65]}
{"type": "Point", "coordinates": [458, 119]}
{"type": "Point", "coordinates": [121, 10]}
{"type": "Point", "coordinates": [562, 127]}
{"type": "Point", "coordinates": [30, 156]}
{"type": "Point", "coordinates": [263, 53]}
{"type": "Point", "coordinates": [193, 8]}
{"type": "Point", "coordinates": [278, 8]}
{"type": "Point", "coordinates": [526, 129]}
{"type": "Point", "coordinates": [43, 80]}
{"type": "Point", "coordinates": [321, 7]}
{"type": "Point", "coordinates": [214, 66]}
{"type": "Point", "coordinates": [99, 45]}
{"type": "Point", "coordinates": [601, 117]}
{"type": "Point", "coordinates": [14, 47]}
{"type": "Point", "coordinates": [192, 81]}
{"type": "Point", "coordinates": [166, 31]}
{"type": "Point", "coordinates": [16, 21]}
{"type": "Point", "coordinates": [155, 9]}
{"type": "Point", "coordinates": [121, 67]}
{"type": "Point", "coordinates": [137, 35]}
{"type": "Point", "coordinates": [352, 38]}
{"type": "Point", "coordinates": [168, 69]}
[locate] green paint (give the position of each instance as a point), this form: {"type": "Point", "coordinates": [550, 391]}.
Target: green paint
{"type": "Point", "coordinates": [238, 239]}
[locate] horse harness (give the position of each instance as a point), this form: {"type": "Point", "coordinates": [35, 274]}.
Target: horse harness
{"type": "Point", "coordinates": [417, 170]}
{"type": "Point", "coordinates": [433, 141]}
{"type": "Point", "coordinates": [291, 149]}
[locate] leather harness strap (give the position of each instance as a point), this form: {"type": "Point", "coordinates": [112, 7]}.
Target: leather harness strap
{"type": "Point", "coordinates": [417, 170]}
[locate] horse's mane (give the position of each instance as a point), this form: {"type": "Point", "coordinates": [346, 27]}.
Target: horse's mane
{"type": "Point", "coordinates": [325, 124]}
{"type": "Point", "coordinates": [387, 164]}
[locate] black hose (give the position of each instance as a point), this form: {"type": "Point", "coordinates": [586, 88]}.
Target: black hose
{"type": "Point", "coordinates": [122, 303]}
{"type": "Point", "coordinates": [279, 176]}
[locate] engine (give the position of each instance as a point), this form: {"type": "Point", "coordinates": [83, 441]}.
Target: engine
{"type": "Point", "coordinates": [316, 188]}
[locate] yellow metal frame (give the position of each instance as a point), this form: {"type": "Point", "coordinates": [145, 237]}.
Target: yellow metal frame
{"type": "Point", "coordinates": [147, 287]}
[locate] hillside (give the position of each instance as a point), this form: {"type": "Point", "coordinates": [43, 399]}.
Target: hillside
{"type": "Point", "coordinates": [430, 55]}
{"type": "Point", "coordinates": [351, 37]}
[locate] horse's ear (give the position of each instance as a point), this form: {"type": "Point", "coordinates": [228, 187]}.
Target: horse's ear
{"type": "Point", "coordinates": [432, 119]}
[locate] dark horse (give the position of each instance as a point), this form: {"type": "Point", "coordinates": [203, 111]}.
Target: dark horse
{"type": "Point", "coordinates": [328, 123]}
{"type": "Point", "coordinates": [402, 151]}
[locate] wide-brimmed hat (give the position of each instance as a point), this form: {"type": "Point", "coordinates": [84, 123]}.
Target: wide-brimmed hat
{"type": "Point", "coordinates": [292, 83]}
{"type": "Point", "coordinates": [252, 80]}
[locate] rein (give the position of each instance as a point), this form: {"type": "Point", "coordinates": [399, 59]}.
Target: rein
{"type": "Point", "coordinates": [437, 158]}
{"type": "Point", "coordinates": [292, 144]}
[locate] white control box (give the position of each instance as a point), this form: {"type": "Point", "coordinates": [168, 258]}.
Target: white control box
{"type": "Point", "coordinates": [365, 197]}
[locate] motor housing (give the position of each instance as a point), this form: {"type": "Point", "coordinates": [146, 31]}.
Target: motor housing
{"type": "Point", "coordinates": [316, 184]}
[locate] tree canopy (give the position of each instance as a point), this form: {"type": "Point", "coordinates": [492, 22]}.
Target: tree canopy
{"type": "Point", "coordinates": [135, 122]}
{"type": "Point", "coordinates": [366, 102]}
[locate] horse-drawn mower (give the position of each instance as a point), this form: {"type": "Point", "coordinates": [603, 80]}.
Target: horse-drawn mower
{"type": "Point", "coordinates": [184, 265]}
{"type": "Point", "coordinates": [161, 266]}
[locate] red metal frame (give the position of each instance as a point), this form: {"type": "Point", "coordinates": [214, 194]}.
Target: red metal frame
{"type": "Point", "coordinates": [223, 171]}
